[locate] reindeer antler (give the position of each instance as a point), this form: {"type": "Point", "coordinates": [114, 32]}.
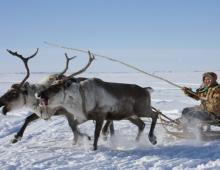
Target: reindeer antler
{"type": "Point", "coordinates": [67, 64]}
{"type": "Point", "coordinates": [25, 60]}
{"type": "Point", "coordinates": [91, 58]}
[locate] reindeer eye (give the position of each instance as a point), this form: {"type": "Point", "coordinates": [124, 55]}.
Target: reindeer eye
{"type": "Point", "coordinates": [56, 89]}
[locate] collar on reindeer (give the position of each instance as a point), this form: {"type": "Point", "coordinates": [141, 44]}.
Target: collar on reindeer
{"type": "Point", "coordinates": [24, 98]}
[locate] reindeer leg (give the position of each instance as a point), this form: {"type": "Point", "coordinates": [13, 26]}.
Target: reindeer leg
{"type": "Point", "coordinates": [151, 136]}
{"type": "Point", "coordinates": [20, 133]}
{"type": "Point", "coordinates": [108, 125]}
{"type": "Point", "coordinates": [139, 123]}
{"type": "Point", "coordinates": [105, 128]}
{"type": "Point", "coordinates": [73, 126]}
{"type": "Point", "coordinates": [98, 127]}
{"type": "Point", "coordinates": [112, 129]}
{"type": "Point", "coordinates": [73, 123]}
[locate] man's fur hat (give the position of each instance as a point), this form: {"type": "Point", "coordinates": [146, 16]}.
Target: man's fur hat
{"type": "Point", "coordinates": [211, 75]}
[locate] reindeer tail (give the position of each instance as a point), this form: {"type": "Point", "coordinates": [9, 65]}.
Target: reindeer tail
{"type": "Point", "coordinates": [149, 89]}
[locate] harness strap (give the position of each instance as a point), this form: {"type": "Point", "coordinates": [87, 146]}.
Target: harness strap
{"type": "Point", "coordinates": [24, 98]}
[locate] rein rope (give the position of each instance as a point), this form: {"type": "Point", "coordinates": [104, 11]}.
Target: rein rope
{"type": "Point", "coordinates": [114, 60]}
{"type": "Point", "coordinates": [121, 62]}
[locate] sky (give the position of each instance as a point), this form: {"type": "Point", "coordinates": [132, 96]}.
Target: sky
{"type": "Point", "coordinates": [152, 35]}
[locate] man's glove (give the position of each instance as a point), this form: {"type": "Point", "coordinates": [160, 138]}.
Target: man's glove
{"type": "Point", "coordinates": [187, 90]}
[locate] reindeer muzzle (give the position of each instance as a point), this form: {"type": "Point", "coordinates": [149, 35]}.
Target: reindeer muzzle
{"type": "Point", "coordinates": [44, 102]}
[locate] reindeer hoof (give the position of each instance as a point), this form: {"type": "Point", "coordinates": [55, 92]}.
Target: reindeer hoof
{"type": "Point", "coordinates": [74, 142]}
{"type": "Point", "coordinates": [15, 140]}
{"type": "Point", "coordinates": [153, 139]}
{"type": "Point", "coordinates": [137, 138]}
{"type": "Point", "coordinates": [105, 137]}
{"type": "Point", "coordinates": [89, 138]}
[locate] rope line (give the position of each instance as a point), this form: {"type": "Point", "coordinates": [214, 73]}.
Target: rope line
{"type": "Point", "coordinates": [121, 62]}
{"type": "Point", "coordinates": [114, 60]}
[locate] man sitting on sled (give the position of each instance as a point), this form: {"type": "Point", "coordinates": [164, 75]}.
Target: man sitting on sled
{"type": "Point", "coordinates": [209, 109]}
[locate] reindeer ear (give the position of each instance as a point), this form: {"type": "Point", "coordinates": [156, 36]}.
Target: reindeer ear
{"type": "Point", "coordinates": [26, 85]}
{"type": "Point", "coordinates": [15, 86]}
{"type": "Point", "coordinates": [68, 83]}
{"type": "Point", "coordinates": [59, 77]}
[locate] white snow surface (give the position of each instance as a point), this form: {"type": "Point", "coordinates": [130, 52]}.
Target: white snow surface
{"type": "Point", "coordinates": [48, 144]}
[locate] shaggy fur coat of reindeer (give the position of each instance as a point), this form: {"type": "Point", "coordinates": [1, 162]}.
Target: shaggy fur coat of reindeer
{"type": "Point", "coordinates": [94, 99]}
{"type": "Point", "coordinates": [23, 94]}
{"type": "Point", "coordinates": [25, 97]}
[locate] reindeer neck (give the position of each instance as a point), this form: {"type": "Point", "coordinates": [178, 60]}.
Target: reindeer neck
{"type": "Point", "coordinates": [31, 100]}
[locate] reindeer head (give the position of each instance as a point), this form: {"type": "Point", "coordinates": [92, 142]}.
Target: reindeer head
{"type": "Point", "coordinates": [15, 96]}
{"type": "Point", "coordinates": [61, 85]}
{"type": "Point", "coordinates": [53, 90]}
{"type": "Point", "coordinates": [55, 77]}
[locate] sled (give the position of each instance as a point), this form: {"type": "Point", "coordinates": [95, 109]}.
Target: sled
{"type": "Point", "coordinates": [175, 128]}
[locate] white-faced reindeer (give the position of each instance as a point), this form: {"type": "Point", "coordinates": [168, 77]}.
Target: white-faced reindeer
{"type": "Point", "coordinates": [23, 94]}
{"type": "Point", "coordinates": [94, 99]}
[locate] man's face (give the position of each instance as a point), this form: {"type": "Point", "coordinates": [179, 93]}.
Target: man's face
{"type": "Point", "coordinates": [207, 81]}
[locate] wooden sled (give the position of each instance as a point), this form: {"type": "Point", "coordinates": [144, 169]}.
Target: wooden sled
{"type": "Point", "coordinates": [175, 129]}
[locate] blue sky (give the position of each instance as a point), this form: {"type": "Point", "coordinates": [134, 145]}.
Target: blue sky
{"type": "Point", "coordinates": [150, 34]}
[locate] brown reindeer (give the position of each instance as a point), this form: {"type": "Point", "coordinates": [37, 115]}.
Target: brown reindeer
{"type": "Point", "coordinates": [94, 99]}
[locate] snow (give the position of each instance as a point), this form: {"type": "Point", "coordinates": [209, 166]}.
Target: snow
{"type": "Point", "coordinates": [48, 144]}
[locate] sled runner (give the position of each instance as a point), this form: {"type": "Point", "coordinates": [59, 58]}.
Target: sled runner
{"type": "Point", "coordinates": [176, 129]}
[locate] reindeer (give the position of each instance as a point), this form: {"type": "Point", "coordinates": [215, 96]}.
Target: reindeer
{"type": "Point", "coordinates": [23, 94]}
{"type": "Point", "coordinates": [94, 99]}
